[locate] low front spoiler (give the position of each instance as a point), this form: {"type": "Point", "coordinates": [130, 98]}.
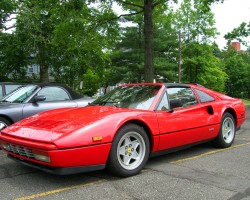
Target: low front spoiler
{"type": "Point", "coordinates": [60, 170]}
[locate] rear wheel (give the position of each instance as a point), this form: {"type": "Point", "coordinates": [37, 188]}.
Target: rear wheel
{"type": "Point", "coordinates": [4, 123]}
{"type": "Point", "coordinates": [129, 152]}
{"type": "Point", "coordinates": [226, 135]}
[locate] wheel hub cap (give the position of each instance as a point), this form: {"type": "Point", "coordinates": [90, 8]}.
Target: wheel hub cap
{"type": "Point", "coordinates": [131, 150]}
{"type": "Point", "coordinates": [228, 130]}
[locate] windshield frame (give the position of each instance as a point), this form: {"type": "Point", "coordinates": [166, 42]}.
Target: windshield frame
{"type": "Point", "coordinates": [17, 95]}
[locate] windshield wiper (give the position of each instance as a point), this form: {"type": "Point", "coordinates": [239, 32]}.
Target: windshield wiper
{"type": "Point", "coordinates": [103, 103]}
{"type": "Point", "coordinates": [4, 101]}
{"type": "Point", "coordinates": [93, 104]}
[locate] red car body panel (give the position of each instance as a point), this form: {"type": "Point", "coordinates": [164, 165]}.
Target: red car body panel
{"type": "Point", "coordinates": [67, 134]}
{"type": "Point", "coordinates": [83, 156]}
{"type": "Point", "coordinates": [75, 127]}
{"type": "Point", "coordinates": [176, 134]}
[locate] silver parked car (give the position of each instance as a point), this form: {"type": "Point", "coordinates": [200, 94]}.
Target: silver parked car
{"type": "Point", "coordinates": [31, 99]}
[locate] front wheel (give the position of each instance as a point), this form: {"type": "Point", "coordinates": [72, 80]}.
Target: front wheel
{"type": "Point", "coordinates": [129, 152]}
{"type": "Point", "coordinates": [3, 123]}
{"type": "Point", "coordinates": [226, 135]}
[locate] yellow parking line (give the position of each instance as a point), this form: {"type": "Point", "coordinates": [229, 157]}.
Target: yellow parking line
{"type": "Point", "coordinates": [58, 190]}
{"type": "Point", "coordinates": [209, 153]}
{"type": "Point", "coordinates": [243, 136]}
{"type": "Point", "coordinates": [96, 182]}
{"type": "Point", "coordinates": [3, 155]}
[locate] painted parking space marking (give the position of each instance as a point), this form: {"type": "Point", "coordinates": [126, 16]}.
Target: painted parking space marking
{"type": "Point", "coordinates": [209, 153]}
{"type": "Point", "coordinates": [59, 190]}
{"type": "Point", "coordinates": [103, 180]}
{"type": "Point", "coordinates": [3, 155]}
{"type": "Point", "coordinates": [243, 137]}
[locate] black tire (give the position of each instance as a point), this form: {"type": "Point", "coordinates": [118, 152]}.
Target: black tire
{"type": "Point", "coordinates": [227, 132]}
{"type": "Point", "coordinates": [4, 123]}
{"type": "Point", "coordinates": [129, 152]}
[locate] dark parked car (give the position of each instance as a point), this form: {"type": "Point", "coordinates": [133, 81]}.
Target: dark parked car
{"type": "Point", "coordinates": [7, 87]}
{"type": "Point", "coordinates": [31, 99]}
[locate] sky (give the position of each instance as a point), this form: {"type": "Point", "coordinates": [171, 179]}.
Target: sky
{"type": "Point", "coordinates": [230, 15]}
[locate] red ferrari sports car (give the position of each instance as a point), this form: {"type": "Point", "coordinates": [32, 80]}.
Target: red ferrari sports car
{"type": "Point", "coordinates": [123, 128]}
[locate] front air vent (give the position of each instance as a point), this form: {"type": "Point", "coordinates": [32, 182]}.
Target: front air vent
{"type": "Point", "coordinates": [19, 150]}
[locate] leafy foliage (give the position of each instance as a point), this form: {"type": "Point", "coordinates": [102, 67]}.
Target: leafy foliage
{"type": "Point", "coordinates": [91, 82]}
{"type": "Point", "coordinates": [240, 33]}
{"type": "Point", "coordinates": [13, 65]}
{"type": "Point", "coordinates": [197, 28]}
{"type": "Point", "coordinates": [7, 8]}
{"type": "Point", "coordinates": [237, 66]}
{"type": "Point", "coordinates": [201, 66]}
{"type": "Point", "coordinates": [81, 41]}
{"type": "Point", "coordinates": [67, 37]}
{"type": "Point", "coordinates": [128, 58]}
{"type": "Point", "coordinates": [89, 37]}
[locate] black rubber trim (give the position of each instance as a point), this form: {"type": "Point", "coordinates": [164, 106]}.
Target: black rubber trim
{"type": "Point", "coordinates": [59, 170]}
{"type": "Point", "coordinates": [175, 149]}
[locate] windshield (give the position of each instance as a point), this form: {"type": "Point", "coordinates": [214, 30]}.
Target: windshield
{"type": "Point", "coordinates": [136, 96]}
{"type": "Point", "coordinates": [20, 94]}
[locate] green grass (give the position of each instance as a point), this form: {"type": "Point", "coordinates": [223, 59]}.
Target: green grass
{"type": "Point", "coordinates": [246, 102]}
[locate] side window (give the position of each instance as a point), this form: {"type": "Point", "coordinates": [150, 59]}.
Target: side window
{"type": "Point", "coordinates": [54, 94]}
{"type": "Point", "coordinates": [204, 97]}
{"type": "Point", "coordinates": [164, 105]}
{"type": "Point", "coordinates": [184, 96]}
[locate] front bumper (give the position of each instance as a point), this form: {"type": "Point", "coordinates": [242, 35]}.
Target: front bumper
{"type": "Point", "coordinates": [60, 170]}
{"type": "Point", "coordinates": [61, 161]}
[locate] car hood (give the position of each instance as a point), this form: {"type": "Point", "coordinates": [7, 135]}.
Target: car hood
{"type": "Point", "coordinates": [60, 124]}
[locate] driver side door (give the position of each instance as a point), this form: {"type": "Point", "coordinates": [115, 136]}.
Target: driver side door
{"type": "Point", "coordinates": [189, 123]}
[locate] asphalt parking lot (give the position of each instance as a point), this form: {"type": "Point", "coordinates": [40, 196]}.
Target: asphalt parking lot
{"type": "Point", "coordinates": [201, 172]}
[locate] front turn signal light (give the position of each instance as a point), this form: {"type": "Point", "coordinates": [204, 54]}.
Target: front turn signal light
{"type": "Point", "coordinates": [41, 156]}
{"type": "Point", "coordinates": [97, 138]}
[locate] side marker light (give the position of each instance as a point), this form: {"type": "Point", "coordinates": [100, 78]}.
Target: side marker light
{"type": "Point", "coordinates": [97, 138]}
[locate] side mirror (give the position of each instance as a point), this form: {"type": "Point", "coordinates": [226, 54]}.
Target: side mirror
{"type": "Point", "coordinates": [39, 98]}
{"type": "Point", "coordinates": [175, 103]}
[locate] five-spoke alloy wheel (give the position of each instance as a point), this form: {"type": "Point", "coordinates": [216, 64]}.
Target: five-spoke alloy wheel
{"type": "Point", "coordinates": [226, 135]}
{"type": "Point", "coordinates": [129, 152]}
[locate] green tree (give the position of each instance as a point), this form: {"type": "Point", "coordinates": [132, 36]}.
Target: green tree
{"type": "Point", "coordinates": [197, 27]}
{"type": "Point", "coordinates": [89, 39]}
{"type": "Point", "coordinates": [12, 56]}
{"type": "Point", "coordinates": [241, 33]}
{"type": "Point", "coordinates": [246, 58]}
{"type": "Point", "coordinates": [128, 57]}
{"type": "Point", "coordinates": [165, 45]}
{"type": "Point", "coordinates": [91, 82]}
{"type": "Point", "coordinates": [238, 63]}
{"type": "Point", "coordinates": [203, 67]}
{"type": "Point", "coordinates": [190, 19]}
{"type": "Point", "coordinates": [66, 36]}
{"type": "Point", "coordinates": [237, 66]}
{"type": "Point", "coordinates": [147, 8]}
{"type": "Point", "coordinates": [7, 7]}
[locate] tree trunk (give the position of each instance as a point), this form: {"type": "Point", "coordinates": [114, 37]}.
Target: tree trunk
{"type": "Point", "coordinates": [43, 63]}
{"type": "Point", "coordinates": [44, 74]}
{"type": "Point", "coordinates": [148, 40]}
